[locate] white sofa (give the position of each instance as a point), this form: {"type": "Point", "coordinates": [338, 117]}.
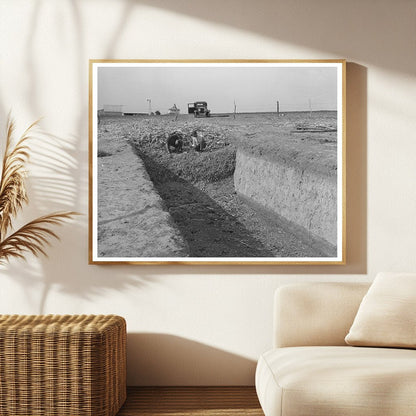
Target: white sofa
{"type": "Point", "coordinates": [311, 371]}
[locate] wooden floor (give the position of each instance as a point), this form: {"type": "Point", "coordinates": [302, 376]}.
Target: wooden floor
{"type": "Point", "coordinates": [187, 401]}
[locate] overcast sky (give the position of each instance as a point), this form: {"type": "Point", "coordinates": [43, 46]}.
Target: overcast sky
{"type": "Point", "coordinates": [254, 89]}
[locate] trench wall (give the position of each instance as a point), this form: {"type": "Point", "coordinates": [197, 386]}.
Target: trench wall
{"type": "Point", "coordinates": [304, 197]}
{"type": "Point", "coordinates": [132, 217]}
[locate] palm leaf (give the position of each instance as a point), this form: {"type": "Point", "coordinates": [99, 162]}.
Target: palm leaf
{"type": "Point", "coordinates": [33, 237]}
{"type": "Point", "coordinates": [12, 183]}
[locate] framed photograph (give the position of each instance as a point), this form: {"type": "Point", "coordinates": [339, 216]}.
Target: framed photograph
{"type": "Point", "coordinates": [217, 162]}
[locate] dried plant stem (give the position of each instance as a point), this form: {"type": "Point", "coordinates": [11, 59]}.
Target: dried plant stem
{"type": "Point", "coordinates": [34, 236]}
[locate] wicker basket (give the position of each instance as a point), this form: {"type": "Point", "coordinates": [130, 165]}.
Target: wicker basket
{"type": "Point", "coordinates": [54, 365]}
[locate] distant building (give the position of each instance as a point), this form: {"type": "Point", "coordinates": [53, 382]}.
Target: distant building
{"type": "Point", "coordinates": [113, 110]}
{"type": "Point", "coordinates": [174, 110]}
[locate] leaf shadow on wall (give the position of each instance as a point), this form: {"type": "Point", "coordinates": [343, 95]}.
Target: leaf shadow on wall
{"type": "Point", "coordinates": [164, 359]}
{"type": "Point", "coordinates": [339, 28]}
{"type": "Point", "coordinates": [60, 182]}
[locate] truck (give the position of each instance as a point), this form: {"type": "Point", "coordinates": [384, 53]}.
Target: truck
{"type": "Point", "coordinates": [199, 109]}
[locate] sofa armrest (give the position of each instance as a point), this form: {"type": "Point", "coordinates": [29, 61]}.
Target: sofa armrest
{"type": "Point", "coordinates": [315, 313]}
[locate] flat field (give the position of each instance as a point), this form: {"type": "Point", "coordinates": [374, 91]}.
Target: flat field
{"type": "Point", "coordinates": [197, 187]}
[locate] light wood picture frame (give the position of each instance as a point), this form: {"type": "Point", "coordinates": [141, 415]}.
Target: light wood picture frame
{"type": "Point", "coordinates": [217, 162]}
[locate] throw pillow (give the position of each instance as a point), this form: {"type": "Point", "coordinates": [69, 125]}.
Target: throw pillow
{"type": "Point", "coordinates": [387, 314]}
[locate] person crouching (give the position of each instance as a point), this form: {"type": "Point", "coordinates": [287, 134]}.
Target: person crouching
{"type": "Point", "coordinates": [198, 141]}
{"type": "Point", "coordinates": [174, 143]}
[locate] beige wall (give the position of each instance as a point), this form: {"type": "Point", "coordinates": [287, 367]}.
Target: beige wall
{"type": "Point", "coordinates": [204, 325]}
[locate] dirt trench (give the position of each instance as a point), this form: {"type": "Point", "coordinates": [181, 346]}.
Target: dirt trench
{"type": "Point", "coordinates": [216, 222]}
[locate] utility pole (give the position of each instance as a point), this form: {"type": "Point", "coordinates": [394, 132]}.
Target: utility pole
{"type": "Point", "coordinates": [277, 107]}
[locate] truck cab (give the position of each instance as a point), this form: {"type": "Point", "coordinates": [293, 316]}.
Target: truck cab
{"type": "Point", "coordinates": [199, 109]}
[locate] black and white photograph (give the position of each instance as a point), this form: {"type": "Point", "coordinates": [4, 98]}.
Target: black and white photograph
{"type": "Point", "coordinates": [210, 162]}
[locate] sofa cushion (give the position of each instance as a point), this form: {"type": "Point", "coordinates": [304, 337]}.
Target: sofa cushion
{"type": "Point", "coordinates": [315, 314]}
{"type": "Point", "coordinates": [341, 381]}
{"type": "Point", "coordinates": [387, 314]}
